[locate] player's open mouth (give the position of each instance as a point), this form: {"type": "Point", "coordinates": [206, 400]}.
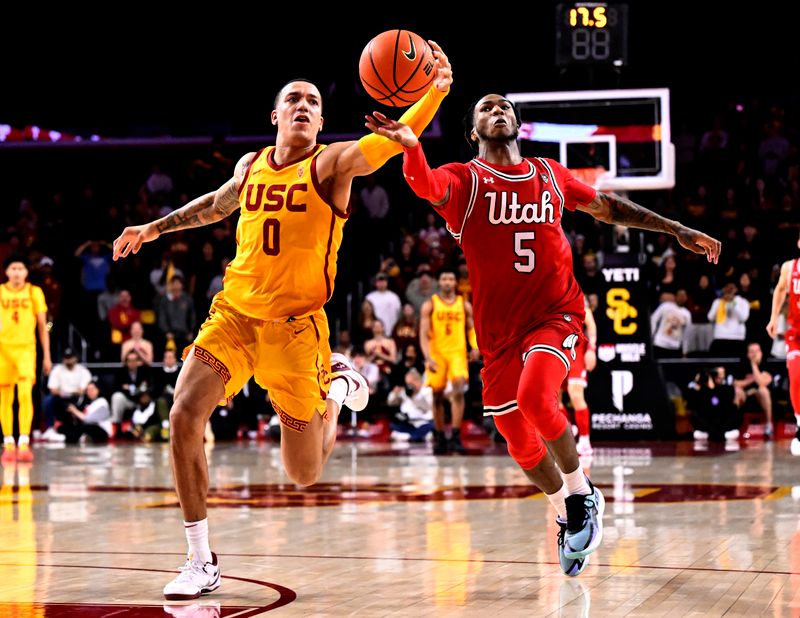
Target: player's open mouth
{"type": "Point", "coordinates": [301, 118]}
{"type": "Point", "coordinates": [500, 123]}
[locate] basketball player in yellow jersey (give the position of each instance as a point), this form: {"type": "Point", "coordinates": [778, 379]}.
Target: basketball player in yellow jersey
{"type": "Point", "coordinates": [268, 321]}
{"type": "Point", "coordinates": [22, 311]}
{"type": "Point", "coordinates": [445, 320]}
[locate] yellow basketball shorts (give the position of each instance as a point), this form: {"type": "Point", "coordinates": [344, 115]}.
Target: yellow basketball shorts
{"type": "Point", "coordinates": [17, 363]}
{"type": "Point", "coordinates": [448, 367]}
{"type": "Point", "coordinates": [289, 358]}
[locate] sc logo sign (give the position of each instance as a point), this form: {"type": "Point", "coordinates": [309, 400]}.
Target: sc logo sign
{"type": "Point", "coordinates": [619, 311]}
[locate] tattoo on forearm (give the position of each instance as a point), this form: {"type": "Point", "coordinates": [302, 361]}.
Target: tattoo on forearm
{"type": "Point", "coordinates": [200, 211]}
{"type": "Point", "coordinates": [625, 212]}
{"type": "Point", "coordinates": [225, 202]}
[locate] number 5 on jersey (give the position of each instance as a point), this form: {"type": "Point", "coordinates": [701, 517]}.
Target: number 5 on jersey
{"type": "Point", "coordinates": [529, 263]}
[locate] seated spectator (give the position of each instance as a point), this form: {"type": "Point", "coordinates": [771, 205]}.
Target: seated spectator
{"type": "Point", "coordinates": [158, 182]}
{"type": "Point", "coordinates": [176, 315]}
{"type": "Point", "coordinates": [363, 328]}
{"type": "Point", "coordinates": [386, 303]}
{"type": "Point", "coordinates": [412, 359]}
{"type": "Point", "coordinates": [161, 276]}
{"type": "Point", "coordinates": [414, 421]}
{"type": "Point", "coordinates": [137, 343]}
{"type": "Point", "coordinates": [422, 287]}
{"type": "Point", "coordinates": [713, 404]}
{"type": "Point", "coordinates": [164, 381]}
{"type": "Point", "coordinates": [729, 314]}
{"type": "Point", "coordinates": [752, 382]}
{"type": "Point", "coordinates": [433, 234]}
{"type": "Point", "coordinates": [700, 332]}
{"type": "Point", "coordinates": [406, 331]}
{"type": "Point", "coordinates": [67, 384]}
{"type": "Point", "coordinates": [107, 299]}
{"type": "Point", "coordinates": [668, 324]}
{"type": "Point", "coordinates": [92, 418]}
{"type": "Point", "coordinates": [146, 421]}
{"type": "Point", "coordinates": [407, 262]}
{"type": "Point", "coordinates": [132, 379]}
{"type": "Point", "coordinates": [380, 349]}
{"type": "Point", "coordinates": [215, 287]}
{"type": "Point", "coordinates": [344, 344]}
{"type": "Point", "coordinates": [121, 316]}
{"type": "Point", "coordinates": [367, 369]}
{"type": "Point", "coordinates": [668, 279]}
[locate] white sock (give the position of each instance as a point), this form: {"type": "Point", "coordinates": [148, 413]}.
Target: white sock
{"type": "Point", "coordinates": [25, 439]}
{"type": "Point", "coordinates": [197, 536]}
{"type": "Point", "coordinates": [557, 500]}
{"type": "Point", "coordinates": [576, 482]}
{"type": "Point", "coordinates": [9, 441]}
{"type": "Point", "coordinates": [338, 390]}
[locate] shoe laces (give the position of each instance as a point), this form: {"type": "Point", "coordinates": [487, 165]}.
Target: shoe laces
{"type": "Point", "coordinates": [562, 531]}
{"type": "Point", "coordinates": [190, 568]}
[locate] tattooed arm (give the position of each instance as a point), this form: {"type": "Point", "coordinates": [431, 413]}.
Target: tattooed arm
{"type": "Point", "coordinates": [203, 210]}
{"type": "Point", "coordinates": [619, 211]}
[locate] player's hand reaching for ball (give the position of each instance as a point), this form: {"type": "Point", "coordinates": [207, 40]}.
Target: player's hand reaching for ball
{"type": "Point", "coordinates": [382, 125]}
{"type": "Point", "coordinates": [444, 72]}
{"type": "Point", "coordinates": [132, 239]}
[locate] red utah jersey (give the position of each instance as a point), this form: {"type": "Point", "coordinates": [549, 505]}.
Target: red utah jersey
{"type": "Point", "coordinates": [794, 296]}
{"type": "Point", "coordinates": [507, 220]}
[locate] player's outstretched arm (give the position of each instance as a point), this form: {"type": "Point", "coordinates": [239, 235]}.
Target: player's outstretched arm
{"type": "Point", "coordinates": [431, 185]}
{"type": "Point", "coordinates": [617, 210]}
{"type": "Point", "coordinates": [778, 298]}
{"type": "Point", "coordinates": [203, 210]}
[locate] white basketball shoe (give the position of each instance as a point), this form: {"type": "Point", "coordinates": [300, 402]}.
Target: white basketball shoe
{"type": "Point", "coordinates": [357, 386]}
{"type": "Point", "coordinates": [195, 578]}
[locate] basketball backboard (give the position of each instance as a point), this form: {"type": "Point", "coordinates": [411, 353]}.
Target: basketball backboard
{"type": "Point", "coordinates": [615, 140]}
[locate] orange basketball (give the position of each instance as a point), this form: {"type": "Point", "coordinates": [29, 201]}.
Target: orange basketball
{"type": "Point", "coordinates": [397, 68]}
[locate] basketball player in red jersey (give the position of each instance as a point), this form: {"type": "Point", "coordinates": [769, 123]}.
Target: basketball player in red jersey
{"type": "Point", "coordinates": [789, 285]}
{"type": "Point", "coordinates": [269, 320]}
{"type": "Point", "coordinates": [505, 212]}
{"type": "Point", "coordinates": [577, 381]}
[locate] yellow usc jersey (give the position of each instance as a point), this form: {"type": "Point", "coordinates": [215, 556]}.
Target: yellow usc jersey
{"type": "Point", "coordinates": [18, 311]}
{"type": "Point", "coordinates": [448, 331]}
{"type": "Point", "coordinates": [287, 240]}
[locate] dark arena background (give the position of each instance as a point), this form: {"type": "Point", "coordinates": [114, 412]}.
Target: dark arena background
{"type": "Point", "coordinates": [116, 119]}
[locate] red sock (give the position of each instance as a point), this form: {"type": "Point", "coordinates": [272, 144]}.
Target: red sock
{"type": "Point", "coordinates": [793, 365]}
{"type": "Point", "coordinates": [582, 421]}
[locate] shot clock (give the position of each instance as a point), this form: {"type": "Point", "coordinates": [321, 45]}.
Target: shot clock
{"type": "Point", "coordinates": [591, 33]}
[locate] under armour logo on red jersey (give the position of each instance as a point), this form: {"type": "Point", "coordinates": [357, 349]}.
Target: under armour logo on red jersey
{"type": "Point", "coordinates": [488, 180]}
{"type": "Point", "coordinates": [569, 344]}
{"type": "Point", "coordinates": [545, 178]}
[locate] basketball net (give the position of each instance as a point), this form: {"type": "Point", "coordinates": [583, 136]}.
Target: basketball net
{"type": "Point", "coordinates": [592, 176]}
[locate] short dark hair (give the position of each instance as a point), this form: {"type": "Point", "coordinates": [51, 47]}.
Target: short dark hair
{"type": "Point", "coordinates": [291, 81]}
{"type": "Point", "coordinates": [469, 121]}
{"type": "Point", "coordinates": [446, 271]}
{"type": "Point", "coordinates": [16, 257]}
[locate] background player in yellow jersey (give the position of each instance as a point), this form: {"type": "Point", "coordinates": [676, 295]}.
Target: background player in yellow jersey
{"type": "Point", "coordinates": [268, 321]}
{"type": "Point", "coordinates": [22, 311]}
{"type": "Point", "coordinates": [445, 320]}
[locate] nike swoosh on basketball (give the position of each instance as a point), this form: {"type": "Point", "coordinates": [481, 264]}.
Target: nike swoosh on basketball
{"type": "Point", "coordinates": [411, 53]}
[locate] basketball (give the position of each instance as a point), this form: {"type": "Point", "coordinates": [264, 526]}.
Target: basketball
{"type": "Point", "coordinates": [397, 68]}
